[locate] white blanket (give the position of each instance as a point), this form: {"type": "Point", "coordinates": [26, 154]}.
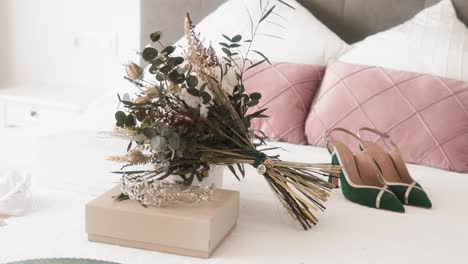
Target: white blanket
{"type": "Point", "coordinates": [346, 233]}
{"type": "Point", "coordinates": [15, 196]}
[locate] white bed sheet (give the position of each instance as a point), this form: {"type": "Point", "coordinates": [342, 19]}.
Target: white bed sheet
{"type": "Point", "coordinates": [346, 232]}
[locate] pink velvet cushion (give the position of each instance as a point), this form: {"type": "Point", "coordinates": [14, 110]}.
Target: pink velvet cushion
{"type": "Point", "coordinates": [425, 115]}
{"type": "Point", "coordinates": [287, 91]}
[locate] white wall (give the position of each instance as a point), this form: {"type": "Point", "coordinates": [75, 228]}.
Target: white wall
{"type": "Point", "coordinates": [76, 45]}
{"type": "Point", "coordinates": [4, 44]}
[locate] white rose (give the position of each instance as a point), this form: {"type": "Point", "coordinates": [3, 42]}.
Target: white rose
{"type": "Point", "coordinates": [229, 79]}
{"type": "Point", "coordinates": [190, 100]}
{"type": "Point", "coordinates": [204, 111]}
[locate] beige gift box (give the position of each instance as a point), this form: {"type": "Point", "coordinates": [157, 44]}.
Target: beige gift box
{"type": "Point", "coordinates": [185, 229]}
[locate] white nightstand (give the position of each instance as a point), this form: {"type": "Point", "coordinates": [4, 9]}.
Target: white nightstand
{"type": "Point", "coordinates": [26, 107]}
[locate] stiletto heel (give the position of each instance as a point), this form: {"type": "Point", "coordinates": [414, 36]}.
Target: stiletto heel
{"type": "Point", "coordinates": [359, 178]}
{"type": "Point", "coordinates": [394, 171]}
{"type": "Point", "coordinates": [334, 178]}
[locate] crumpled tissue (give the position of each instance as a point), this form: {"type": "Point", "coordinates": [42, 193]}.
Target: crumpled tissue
{"type": "Point", "coordinates": [15, 194]}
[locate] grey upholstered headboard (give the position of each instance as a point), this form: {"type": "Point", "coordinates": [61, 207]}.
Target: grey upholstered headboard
{"type": "Point", "coordinates": [168, 16]}
{"type": "Point", "coordinates": [352, 20]}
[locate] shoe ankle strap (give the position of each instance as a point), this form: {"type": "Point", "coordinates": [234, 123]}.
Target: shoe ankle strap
{"type": "Point", "coordinates": [327, 136]}
{"type": "Point", "coordinates": [386, 138]}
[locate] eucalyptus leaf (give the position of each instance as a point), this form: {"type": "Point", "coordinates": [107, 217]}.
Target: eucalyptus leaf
{"type": "Point", "coordinates": [252, 30]}
{"type": "Point", "coordinates": [256, 64]}
{"type": "Point", "coordinates": [166, 171]}
{"type": "Point", "coordinates": [273, 36]}
{"type": "Point", "coordinates": [255, 96]}
{"type": "Point", "coordinates": [174, 141]}
{"type": "Point", "coordinates": [263, 55]}
{"type": "Point", "coordinates": [175, 61]}
{"type": "Point", "coordinates": [130, 121]}
{"type": "Point", "coordinates": [199, 177]}
{"type": "Point", "coordinates": [193, 91]}
{"type": "Point", "coordinates": [176, 77]}
{"type": "Point", "coordinates": [189, 181]}
{"type": "Point", "coordinates": [252, 103]}
{"type": "Point", "coordinates": [120, 117]}
{"type": "Point", "coordinates": [158, 143]}
{"type": "Point", "coordinates": [160, 77]}
{"type": "Point", "coordinates": [168, 50]}
{"type": "Point", "coordinates": [182, 145]}
{"type": "Point", "coordinates": [120, 124]}
{"type": "Point", "coordinates": [129, 146]}
{"type": "Point", "coordinates": [245, 98]}
{"type": "Point", "coordinates": [227, 52]}
{"type": "Point", "coordinates": [276, 24]}
{"type": "Point", "coordinates": [280, 16]}
{"type": "Point", "coordinates": [286, 4]}
{"type": "Point", "coordinates": [224, 44]}
{"type": "Point", "coordinates": [227, 38]}
{"type": "Point", "coordinates": [153, 69]}
{"type": "Point", "coordinates": [163, 129]}
{"type": "Point", "coordinates": [121, 197]}
{"type": "Point", "coordinates": [236, 38]}
{"type": "Point", "coordinates": [156, 36]}
{"type": "Point", "coordinates": [241, 168]}
{"type": "Point", "coordinates": [233, 171]}
{"type": "Point", "coordinates": [148, 132]}
{"type": "Point", "coordinates": [192, 81]}
{"type": "Point", "coordinates": [167, 166]}
{"type": "Point", "coordinates": [162, 156]}
{"type": "Point", "coordinates": [206, 97]}
{"type": "Point", "coordinates": [185, 171]}
{"type": "Point", "coordinates": [157, 62]}
{"type": "Point", "coordinates": [165, 69]}
{"type": "Point", "coordinates": [203, 87]}
{"type": "Point", "coordinates": [267, 13]}
{"type": "Point", "coordinates": [149, 53]}
{"type": "Point", "coordinates": [187, 69]}
{"type": "Point", "coordinates": [257, 114]}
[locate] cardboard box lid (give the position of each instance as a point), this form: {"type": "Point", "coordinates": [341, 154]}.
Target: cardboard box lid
{"type": "Point", "coordinates": [194, 226]}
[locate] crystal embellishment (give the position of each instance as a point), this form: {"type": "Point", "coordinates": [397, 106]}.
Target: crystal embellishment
{"type": "Point", "coordinates": [261, 169]}
{"type": "Point", "coordinates": [162, 193]}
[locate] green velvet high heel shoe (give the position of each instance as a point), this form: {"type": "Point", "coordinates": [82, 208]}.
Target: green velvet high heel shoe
{"type": "Point", "coordinates": [394, 171]}
{"type": "Point", "coordinates": [359, 178]}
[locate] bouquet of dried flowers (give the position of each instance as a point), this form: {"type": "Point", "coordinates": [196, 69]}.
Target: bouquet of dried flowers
{"type": "Point", "coordinates": [192, 113]}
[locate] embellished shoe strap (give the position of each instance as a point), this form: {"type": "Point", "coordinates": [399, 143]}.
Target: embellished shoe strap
{"type": "Point", "coordinates": [408, 191]}
{"type": "Point", "coordinates": [379, 196]}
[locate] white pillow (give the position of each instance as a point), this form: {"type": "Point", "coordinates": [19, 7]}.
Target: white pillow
{"type": "Point", "coordinates": [305, 39]}
{"type": "Point", "coordinates": [432, 42]}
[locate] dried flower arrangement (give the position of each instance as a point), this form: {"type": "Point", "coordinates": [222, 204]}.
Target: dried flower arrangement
{"type": "Point", "coordinates": [186, 118]}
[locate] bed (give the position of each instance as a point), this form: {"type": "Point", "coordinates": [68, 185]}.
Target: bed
{"type": "Point", "coordinates": [346, 231]}
{"type": "Point", "coordinates": [55, 227]}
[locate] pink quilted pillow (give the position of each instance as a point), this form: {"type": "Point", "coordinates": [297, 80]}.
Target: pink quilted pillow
{"type": "Point", "coordinates": [426, 116]}
{"type": "Point", "coordinates": [287, 92]}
